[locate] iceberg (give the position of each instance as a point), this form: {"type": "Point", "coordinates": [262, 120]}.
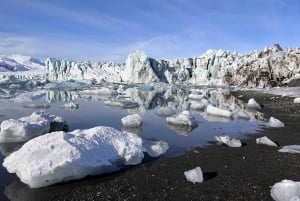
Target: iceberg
{"type": "Point", "coordinates": [228, 141]}
{"type": "Point", "coordinates": [195, 175]}
{"type": "Point", "coordinates": [297, 100]}
{"type": "Point", "coordinates": [71, 106]}
{"type": "Point", "coordinates": [25, 128]}
{"type": "Point", "coordinates": [286, 190]}
{"type": "Point", "coordinates": [63, 156]}
{"type": "Point", "coordinates": [290, 149]}
{"type": "Point", "coordinates": [266, 141]}
{"type": "Point", "coordinates": [274, 123]}
{"type": "Point", "coordinates": [165, 111]}
{"type": "Point", "coordinates": [121, 104]}
{"type": "Point", "coordinates": [37, 105]}
{"type": "Point", "coordinates": [218, 112]}
{"type": "Point", "coordinates": [184, 118]}
{"type": "Point", "coordinates": [133, 120]}
{"type": "Point", "coordinates": [252, 104]}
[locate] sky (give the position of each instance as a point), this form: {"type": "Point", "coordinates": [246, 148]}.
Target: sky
{"type": "Point", "coordinates": [110, 30]}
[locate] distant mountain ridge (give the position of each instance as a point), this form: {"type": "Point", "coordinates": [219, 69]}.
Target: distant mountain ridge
{"type": "Point", "coordinates": [17, 62]}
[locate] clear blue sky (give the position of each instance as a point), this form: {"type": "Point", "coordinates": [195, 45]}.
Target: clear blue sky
{"type": "Point", "coordinates": [111, 29]}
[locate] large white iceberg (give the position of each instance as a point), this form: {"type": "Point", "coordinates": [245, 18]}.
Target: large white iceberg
{"type": "Point", "coordinates": [25, 128]}
{"type": "Point", "coordinates": [133, 120]}
{"type": "Point", "coordinates": [61, 156]}
{"type": "Point", "coordinates": [286, 190]}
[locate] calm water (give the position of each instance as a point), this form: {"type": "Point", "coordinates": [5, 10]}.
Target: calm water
{"type": "Point", "coordinates": [93, 112]}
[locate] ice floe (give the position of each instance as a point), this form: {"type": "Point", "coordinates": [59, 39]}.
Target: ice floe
{"type": "Point", "coordinates": [194, 175]}
{"type": "Point", "coordinates": [25, 128]}
{"type": "Point", "coordinates": [184, 118]}
{"type": "Point", "coordinates": [286, 190]}
{"type": "Point", "coordinates": [133, 120]}
{"type": "Point", "coordinates": [228, 141]}
{"type": "Point", "coordinates": [165, 111]}
{"type": "Point", "coordinates": [60, 156]}
{"type": "Point", "coordinates": [218, 112]}
{"type": "Point", "coordinates": [71, 106]}
{"type": "Point", "coordinates": [266, 141]}
{"type": "Point", "coordinates": [297, 100]}
{"type": "Point", "coordinates": [294, 149]}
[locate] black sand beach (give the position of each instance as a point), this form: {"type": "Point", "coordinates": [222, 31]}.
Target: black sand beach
{"type": "Point", "coordinates": [245, 173]}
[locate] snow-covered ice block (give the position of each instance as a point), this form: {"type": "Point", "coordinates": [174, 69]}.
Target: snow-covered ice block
{"type": "Point", "coordinates": [184, 118]}
{"type": "Point", "coordinates": [121, 104]}
{"type": "Point", "coordinates": [194, 175]}
{"type": "Point", "coordinates": [274, 123]}
{"type": "Point", "coordinates": [165, 111]}
{"type": "Point", "coordinates": [133, 120]}
{"type": "Point", "coordinates": [266, 141]}
{"type": "Point", "coordinates": [25, 128]}
{"type": "Point", "coordinates": [71, 106]}
{"type": "Point", "coordinates": [228, 141]}
{"type": "Point", "coordinates": [286, 190]}
{"type": "Point", "coordinates": [60, 156]}
{"type": "Point", "coordinates": [294, 149]}
{"type": "Point", "coordinates": [253, 104]}
{"type": "Point", "coordinates": [297, 100]}
{"type": "Point", "coordinates": [218, 112]}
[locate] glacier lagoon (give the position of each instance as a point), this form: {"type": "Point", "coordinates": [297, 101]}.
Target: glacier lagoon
{"type": "Point", "coordinates": [107, 105]}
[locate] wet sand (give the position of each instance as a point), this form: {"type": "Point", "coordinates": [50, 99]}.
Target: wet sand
{"type": "Point", "coordinates": [245, 173]}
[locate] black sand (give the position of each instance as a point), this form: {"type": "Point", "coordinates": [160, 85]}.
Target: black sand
{"type": "Point", "coordinates": [245, 173]}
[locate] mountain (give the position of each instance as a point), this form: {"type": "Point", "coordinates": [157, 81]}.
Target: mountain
{"type": "Point", "coordinates": [16, 62]}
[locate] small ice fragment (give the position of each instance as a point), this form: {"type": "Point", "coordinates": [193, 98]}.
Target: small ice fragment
{"type": "Point", "coordinates": [165, 111]}
{"type": "Point", "coordinates": [297, 100]}
{"type": "Point", "coordinates": [228, 141]}
{"type": "Point", "coordinates": [71, 105]}
{"type": "Point", "coordinates": [133, 120]}
{"type": "Point", "coordinates": [253, 104]}
{"type": "Point", "coordinates": [194, 175]}
{"type": "Point", "coordinates": [286, 190]}
{"type": "Point", "coordinates": [294, 149]}
{"type": "Point", "coordinates": [218, 112]}
{"type": "Point", "coordinates": [265, 140]}
{"type": "Point", "coordinates": [274, 123]}
{"type": "Point", "coordinates": [184, 118]}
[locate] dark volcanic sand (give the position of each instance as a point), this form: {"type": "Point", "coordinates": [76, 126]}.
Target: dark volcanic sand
{"type": "Point", "coordinates": [245, 173]}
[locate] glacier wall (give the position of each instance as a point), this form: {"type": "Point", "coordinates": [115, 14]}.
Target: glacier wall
{"type": "Point", "coordinates": [272, 66]}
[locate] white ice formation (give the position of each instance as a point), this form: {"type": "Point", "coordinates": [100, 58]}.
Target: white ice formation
{"type": "Point", "coordinates": [294, 149]}
{"type": "Point", "coordinates": [218, 112]}
{"type": "Point", "coordinates": [194, 175]}
{"type": "Point", "coordinates": [228, 141]}
{"type": "Point", "coordinates": [286, 190]}
{"type": "Point", "coordinates": [184, 118]}
{"type": "Point", "coordinates": [297, 100]}
{"type": "Point", "coordinates": [266, 141]}
{"type": "Point", "coordinates": [61, 156]}
{"type": "Point", "coordinates": [71, 106]}
{"type": "Point", "coordinates": [274, 123]}
{"type": "Point", "coordinates": [252, 104]}
{"type": "Point", "coordinates": [165, 111]}
{"type": "Point", "coordinates": [25, 128]}
{"type": "Point", "coordinates": [133, 120]}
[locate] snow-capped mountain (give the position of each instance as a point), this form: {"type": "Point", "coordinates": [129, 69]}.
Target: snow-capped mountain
{"type": "Point", "coordinates": [17, 62]}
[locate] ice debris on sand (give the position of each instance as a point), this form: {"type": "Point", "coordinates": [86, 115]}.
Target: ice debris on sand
{"type": "Point", "coordinates": [297, 100]}
{"type": "Point", "coordinates": [165, 111]}
{"type": "Point", "coordinates": [195, 175]}
{"type": "Point", "coordinates": [25, 128]}
{"type": "Point", "coordinates": [133, 120]}
{"type": "Point", "coordinates": [228, 141]}
{"type": "Point", "coordinates": [274, 123]}
{"type": "Point", "coordinates": [286, 190]}
{"type": "Point", "coordinates": [63, 156]}
{"type": "Point", "coordinates": [253, 104]}
{"type": "Point", "coordinates": [218, 112]}
{"type": "Point", "coordinates": [294, 149]}
{"type": "Point", "coordinates": [266, 141]}
{"type": "Point", "coordinates": [184, 118]}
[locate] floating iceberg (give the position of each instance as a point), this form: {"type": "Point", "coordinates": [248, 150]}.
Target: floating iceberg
{"type": "Point", "coordinates": [274, 123]}
{"type": "Point", "coordinates": [218, 112]}
{"type": "Point", "coordinates": [37, 105]}
{"type": "Point", "coordinates": [265, 140]}
{"type": "Point", "coordinates": [25, 128]}
{"type": "Point", "coordinates": [194, 175]}
{"type": "Point", "coordinates": [60, 156]}
{"type": "Point", "coordinates": [294, 149]}
{"type": "Point", "coordinates": [228, 141]}
{"type": "Point", "coordinates": [121, 104]}
{"type": "Point", "coordinates": [252, 104]}
{"type": "Point", "coordinates": [133, 120]}
{"type": "Point", "coordinates": [184, 118]}
{"type": "Point", "coordinates": [165, 111]}
{"type": "Point", "coordinates": [286, 190]}
{"type": "Point", "coordinates": [197, 105]}
{"type": "Point", "coordinates": [71, 106]}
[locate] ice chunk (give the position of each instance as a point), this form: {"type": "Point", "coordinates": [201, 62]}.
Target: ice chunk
{"type": "Point", "coordinates": [71, 106]}
{"type": "Point", "coordinates": [196, 96]}
{"type": "Point", "coordinates": [194, 175]}
{"type": "Point", "coordinates": [184, 118]}
{"type": "Point", "coordinates": [68, 85]}
{"type": "Point", "coordinates": [60, 156]}
{"type": "Point", "coordinates": [242, 115]}
{"type": "Point", "coordinates": [37, 105]}
{"type": "Point", "coordinates": [25, 128]}
{"type": "Point", "coordinates": [101, 91]}
{"type": "Point", "coordinates": [228, 141]}
{"type": "Point", "coordinates": [286, 190]}
{"type": "Point", "coordinates": [121, 104]}
{"type": "Point", "coordinates": [218, 112]}
{"type": "Point", "coordinates": [165, 111]}
{"type": "Point", "coordinates": [297, 100]}
{"type": "Point", "coordinates": [197, 105]}
{"type": "Point", "coordinates": [253, 104]}
{"type": "Point", "coordinates": [274, 123]}
{"type": "Point", "coordinates": [294, 149]}
{"type": "Point", "coordinates": [265, 140]}
{"type": "Point", "coordinates": [133, 120]}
